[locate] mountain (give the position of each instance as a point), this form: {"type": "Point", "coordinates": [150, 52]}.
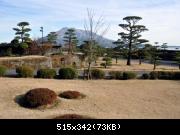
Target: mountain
{"type": "Point", "coordinates": [81, 36]}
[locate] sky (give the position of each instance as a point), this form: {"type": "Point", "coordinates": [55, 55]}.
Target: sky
{"type": "Point", "coordinates": [161, 17]}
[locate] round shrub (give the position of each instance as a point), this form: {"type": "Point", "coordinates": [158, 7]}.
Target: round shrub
{"type": "Point", "coordinates": [3, 70]}
{"type": "Point", "coordinates": [176, 76]}
{"type": "Point", "coordinates": [107, 59]}
{"type": "Point", "coordinates": [153, 75]}
{"type": "Point", "coordinates": [145, 76]}
{"type": "Point", "coordinates": [116, 75]}
{"type": "Point", "coordinates": [97, 74]}
{"type": "Point", "coordinates": [39, 97]}
{"type": "Point", "coordinates": [68, 73]}
{"type": "Point", "coordinates": [165, 75]}
{"type": "Point", "coordinates": [72, 116]}
{"type": "Point", "coordinates": [25, 71]}
{"type": "Point", "coordinates": [129, 75]}
{"type": "Point", "coordinates": [71, 95]}
{"type": "Point", "coordinates": [46, 73]}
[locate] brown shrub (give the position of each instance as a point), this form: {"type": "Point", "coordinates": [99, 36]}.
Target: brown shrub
{"type": "Point", "coordinates": [72, 116]}
{"type": "Point", "coordinates": [39, 97]}
{"type": "Point", "coordinates": [72, 95]}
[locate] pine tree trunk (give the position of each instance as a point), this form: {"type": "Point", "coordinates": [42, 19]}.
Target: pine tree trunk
{"type": "Point", "coordinates": [154, 65]}
{"type": "Point", "coordinates": [129, 54]}
{"type": "Point", "coordinates": [116, 60]}
{"type": "Point", "coordinates": [89, 71]}
{"type": "Point", "coordinates": [140, 60]}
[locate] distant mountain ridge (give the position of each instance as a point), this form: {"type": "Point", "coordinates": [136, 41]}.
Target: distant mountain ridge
{"type": "Point", "coordinates": [81, 36]}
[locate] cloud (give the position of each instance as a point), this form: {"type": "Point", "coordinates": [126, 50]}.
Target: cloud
{"type": "Point", "coordinates": [160, 16]}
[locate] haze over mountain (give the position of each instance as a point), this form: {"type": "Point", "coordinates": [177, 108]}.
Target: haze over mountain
{"type": "Point", "coordinates": [82, 36]}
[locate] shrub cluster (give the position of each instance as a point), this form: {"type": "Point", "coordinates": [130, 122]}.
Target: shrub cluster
{"type": "Point", "coordinates": [97, 74]}
{"type": "Point", "coordinates": [118, 75]}
{"type": "Point", "coordinates": [25, 71]}
{"type": "Point", "coordinates": [164, 75]}
{"type": "Point", "coordinates": [39, 97]}
{"type": "Point", "coordinates": [71, 95]}
{"type": "Point", "coordinates": [68, 73]}
{"type": "Point", "coordinates": [145, 76]}
{"type": "Point", "coordinates": [129, 75]}
{"type": "Point", "coordinates": [3, 70]}
{"type": "Point", "coordinates": [46, 73]}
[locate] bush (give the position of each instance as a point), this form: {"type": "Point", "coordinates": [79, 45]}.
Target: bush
{"type": "Point", "coordinates": [129, 75]}
{"type": "Point", "coordinates": [145, 76]}
{"type": "Point", "coordinates": [97, 74]}
{"type": "Point", "coordinates": [46, 73]}
{"type": "Point", "coordinates": [176, 76]}
{"type": "Point", "coordinates": [39, 97]}
{"type": "Point", "coordinates": [165, 75]}
{"type": "Point", "coordinates": [68, 73]}
{"type": "Point", "coordinates": [71, 95]}
{"type": "Point", "coordinates": [25, 71]}
{"type": "Point", "coordinates": [153, 75]}
{"type": "Point", "coordinates": [116, 75]}
{"type": "Point", "coordinates": [3, 70]}
{"type": "Point", "coordinates": [107, 59]}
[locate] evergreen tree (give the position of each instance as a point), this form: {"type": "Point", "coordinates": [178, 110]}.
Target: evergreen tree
{"type": "Point", "coordinates": [133, 33]}
{"type": "Point", "coordinates": [70, 39]}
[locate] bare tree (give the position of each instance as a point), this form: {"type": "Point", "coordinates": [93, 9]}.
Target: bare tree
{"type": "Point", "coordinates": [92, 28]}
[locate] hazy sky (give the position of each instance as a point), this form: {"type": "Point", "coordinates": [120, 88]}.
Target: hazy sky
{"type": "Point", "coordinates": [161, 17]}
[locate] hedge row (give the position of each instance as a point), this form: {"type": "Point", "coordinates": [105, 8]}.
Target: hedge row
{"type": "Point", "coordinates": [64, 73]}
{"type": "Point", "coordinates": [163, 75]}
{"type": "Point", "coordinates": [71, 73]}
{"type": "Point", "coordinates": [118, 75]}
{"type": "Point", "coordinates": [3, 70]}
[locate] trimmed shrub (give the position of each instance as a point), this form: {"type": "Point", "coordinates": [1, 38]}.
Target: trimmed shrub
{"type": "Point", "coordinates": [68, 73]}
{"type": "Point", "coordinates": [165, 75]}
{"type": "Point", "coordinates": [97, 74]}
{"type": "Point", "coordinates": [145, 76]}
{"type": "Point", "coordinates": [25, 71]}
{"type": "Point", "coordinates": [129, 75]}
{"type": "Point", "coordinates": [72, 116]}
{"type": "Point", "coordinates": [39, 97]}
{"type": "Point", "coordinates": [116, 75]}
{"type": "Point", "coordinates": [3, 70]}
{"type": "Point", "coordinates": [71, 95]}
{"type": "Point", "coordinates": [153, 75]}
{"type": "Point", "coordinates": [107, 59]}
{"type": "Point", "coordinates": [176, 76]}
{"type": "Point", "coordinates": [46, 73]}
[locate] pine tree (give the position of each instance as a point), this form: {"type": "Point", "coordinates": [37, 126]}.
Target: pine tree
{"type": "Point", "coordinates": [70, 39]}
{"type": "Point", "coordinates": [133, 33]}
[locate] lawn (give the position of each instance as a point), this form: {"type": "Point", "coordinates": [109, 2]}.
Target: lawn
{"type": "Point", "coordinates": [104, 98]}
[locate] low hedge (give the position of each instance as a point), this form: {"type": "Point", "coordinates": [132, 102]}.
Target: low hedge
{"type": "Point", "coordinates": [145, 76]}
{"type": "Point", "coordinates": [97, 74]}
{"type": "Point", "coordinates": [153, 75]}
{"type": "Point", "coordinates": [3, 70]}
{"type": "Point", "coordinates": [46, 73]}
{"type": "Point", "coordinates": [118, 75]}
{"type": "Point", "coordinates": [68, 73]}
{"type": "Point", "coordinates": [129, 75]}
{"type": "Point", "coordinates": [25, 71]}
{"type": "Point", "coordinates": [165, 75]}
